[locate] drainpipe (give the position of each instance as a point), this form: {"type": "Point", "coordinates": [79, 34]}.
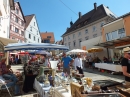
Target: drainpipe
{"type": "Point", "coordinates": [107, 53]}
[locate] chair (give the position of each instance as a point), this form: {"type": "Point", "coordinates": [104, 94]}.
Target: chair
{"type": "Point", "coordinates": [1, 84]}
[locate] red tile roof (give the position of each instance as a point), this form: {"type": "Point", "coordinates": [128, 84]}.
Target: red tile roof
{"type": "Point", "coordinates": [45, 34]}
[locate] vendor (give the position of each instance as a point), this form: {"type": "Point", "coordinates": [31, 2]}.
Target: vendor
{"type": "Point", "coordinates": [125, 62]}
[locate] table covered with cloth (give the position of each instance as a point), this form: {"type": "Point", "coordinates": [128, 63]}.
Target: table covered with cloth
{"type": "Point", "coordinates": [43, 91]}
{"type": "Point", "coordinates": [107, 66]}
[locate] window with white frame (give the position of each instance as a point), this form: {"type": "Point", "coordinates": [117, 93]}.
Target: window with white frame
{"type": "Point", "coordinates": [17, 11]}
{"type": "Point", "coordinates": [86, 31]}
{"type": "Point", "coordinates": [34, 23]}
{"type": "Point", "coordinates": [38, 39]}
{"type": "Point", "coordinates": [16, 19]}
{"type": "Point", "coordinates": [109, 36]}
{"type": "Point", "coordinates": [79, 33]}
{"type": "Point", "coordinates": [16, 30]}
{"type": "Point", "coordinates": [69, 44]}
{"type": "Point", "coordinates": [94, 28]}
{"type": "Point", "coordinates": [102, 24]}
{"type": "Point", "coordinates": [65, 44]}
{"type": "Point", "coordinates": [64, 39]}
{"type": "Point", "coordinates": [74, 43]}
{"type": "Point", "coordinates": [87, 37]}
{"type": "Point", "coordinates": [114, 35]}
{"type": "Point", "coordinates": [34, 38]}
{"type": "Point", "coordinates": [68, 37]}
{"type": "Point", "coordinates": [80, 40]}
{"type": "Point", "coordinates": [121, 33]}
{"type": "Point", "coordinates": [94, 35]}
{"type": "Point", "coordinates": [22, 33]}
{"type": "Point", "coordinates": [30, 28]}
{"type": "Point", "coordinates": [22, 23]}
{"type": "Point", "coordinates": [30, 36]}
{"type": "Point", "coordinates": [73, 36]}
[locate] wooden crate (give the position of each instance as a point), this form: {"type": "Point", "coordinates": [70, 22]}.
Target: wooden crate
{"type": "Point", "coordinates": [74, 86]}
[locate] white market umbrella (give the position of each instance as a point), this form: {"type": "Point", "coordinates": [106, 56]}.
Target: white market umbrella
{"type": "Point", "coordinates": [77, 51]}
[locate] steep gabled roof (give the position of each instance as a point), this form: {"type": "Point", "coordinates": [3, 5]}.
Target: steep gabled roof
{"type": "Point", "coordinates": [28, 19]}
{"type": "Point", "coordinates": [21, 11]}
{"type": "Point", "coordinates": [89, 17]}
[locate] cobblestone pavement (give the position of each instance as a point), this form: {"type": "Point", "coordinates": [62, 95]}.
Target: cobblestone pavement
{"type": "Point", "coordinates": [95, 75]}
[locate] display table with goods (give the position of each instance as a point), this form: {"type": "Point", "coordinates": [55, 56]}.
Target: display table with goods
{"type": "Point", "coordinates": [108, 66]}
{"type": "Point", "coordinates": [99, 88]}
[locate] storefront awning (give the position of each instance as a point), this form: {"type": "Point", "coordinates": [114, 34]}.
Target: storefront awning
{"type": "Point", "coordinates": [6, 41]}
{"type": "Point", "coordinates": [115, 43]}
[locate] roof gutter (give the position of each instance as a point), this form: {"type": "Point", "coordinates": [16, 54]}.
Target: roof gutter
{"type": "Point", "coordinates": [113, 22]}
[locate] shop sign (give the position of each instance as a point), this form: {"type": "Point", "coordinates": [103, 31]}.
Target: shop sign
{"type": "Point", "coordinates": [84, 48]}
{"type": "Point", "coordinates": [122, 43]}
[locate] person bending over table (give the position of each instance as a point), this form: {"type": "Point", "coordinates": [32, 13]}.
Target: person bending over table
{"type": "Point", "coordinates": [125, 62]}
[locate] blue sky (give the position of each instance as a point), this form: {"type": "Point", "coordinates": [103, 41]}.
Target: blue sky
{"type": "Point", "coordinates": [54, 16]}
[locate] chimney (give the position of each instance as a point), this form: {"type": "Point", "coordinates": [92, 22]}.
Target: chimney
{"type": "Point", "coordinates": [71, 23]}
{"type": "Point", "coordinates": [46, 31]}
{"type": "Point", "coordinates": [107, 7]}
{"type": "Point", "coordinates": [95, 6]}
{"type": "Point", "coordinates": [80, 15]}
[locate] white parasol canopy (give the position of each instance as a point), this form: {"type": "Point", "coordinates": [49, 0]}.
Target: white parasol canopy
{"type": "Point", "coordinates": [77, 51]}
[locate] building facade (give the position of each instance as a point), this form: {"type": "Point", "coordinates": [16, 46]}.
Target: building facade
{"type": "Point", "coordinates": [47, 37]}
{"type": "Point", "coordinates": [17, 24]}
{"type": "Point", "coordinates": [116, 35]}
{"type": "Point", "coordinates": [32, 32]}
{"type": "Point", "coordinates": [59, 42]}
{"type": "Point", "coordinates": [5, 7]}
{"type": "Point", "coordinates": [87, 26]}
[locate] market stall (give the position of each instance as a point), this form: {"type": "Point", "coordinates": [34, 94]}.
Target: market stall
{"type": "Point", "coordinates": [107, 66]}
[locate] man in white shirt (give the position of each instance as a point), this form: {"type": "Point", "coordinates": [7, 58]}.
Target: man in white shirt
{"type": "Point", "coordinates": [78, 64]}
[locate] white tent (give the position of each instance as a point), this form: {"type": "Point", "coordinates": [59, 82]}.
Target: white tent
{"type": "Point", "coordinates": [76, 51]}
{"type": "Point", "coordinates": [34, 46]}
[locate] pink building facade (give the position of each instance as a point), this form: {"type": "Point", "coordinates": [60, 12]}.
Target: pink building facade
{"type": "Point", "coordinates": [17, 24]}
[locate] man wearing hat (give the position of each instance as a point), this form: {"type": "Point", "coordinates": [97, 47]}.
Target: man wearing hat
{"type": "Point", "coordinates": [125, 62]}
{"type": "Point", "coordinates": [78, 64]}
